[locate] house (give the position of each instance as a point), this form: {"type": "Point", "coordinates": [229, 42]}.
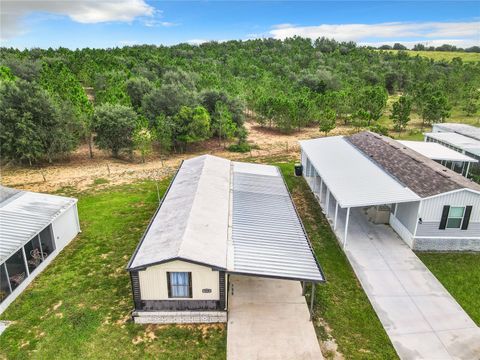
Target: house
{"type": "Point", "coordinates": [456, 161]}
{"type": "Point", "coordinates": [217, 218]}
{"type": "Point", "coordinates": [428, 205]}
{"type": "Point", "coordinates": [34, 228]}
{"type": "Point", "coordinates": [462, 138]}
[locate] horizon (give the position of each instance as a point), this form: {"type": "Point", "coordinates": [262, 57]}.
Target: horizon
{"type": "Point", "coordinates": [110, 24]}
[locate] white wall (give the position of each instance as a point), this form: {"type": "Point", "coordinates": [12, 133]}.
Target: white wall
{"type": "Point", "coordinates": [153, 281]}
{"type": "Point", "coordinates": [65, 227]}
{"type": "Point", "coordinates": [432, 208]}
{"type": "Point", "coordinates": [407, 213]}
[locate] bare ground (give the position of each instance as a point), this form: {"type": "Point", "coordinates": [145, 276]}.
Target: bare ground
{"type": "Point", "coordinates": [79, 172]}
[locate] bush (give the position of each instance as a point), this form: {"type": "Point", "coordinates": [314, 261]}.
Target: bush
{"type": "Point", "coordinates": [379, 129]}
{"type": "Point", "coordinates": [242, 147]}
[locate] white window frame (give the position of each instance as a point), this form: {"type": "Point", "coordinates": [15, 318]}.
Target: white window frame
{"type": "Point", "coordinates": [455, 217]}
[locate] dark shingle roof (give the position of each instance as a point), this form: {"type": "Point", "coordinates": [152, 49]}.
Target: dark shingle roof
{"type": "Point", "coordinates": [422, 175]}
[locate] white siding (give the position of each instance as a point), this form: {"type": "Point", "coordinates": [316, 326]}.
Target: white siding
{"type": "Point", "coordinates": [407, 213]}
{"type": "Point", "coordinates": [65, 227]}
{"type": "Point", "coordinates": [432, 208]}
{"type": "Point", "coordinates": [153, 281]}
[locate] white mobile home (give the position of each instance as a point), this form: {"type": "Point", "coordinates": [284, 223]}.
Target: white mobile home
{"type": "Point", "coordinates": [428, 205]}
{"type": "Point", "coordinates": [34, 228]}
{"type": "Point", "coordinates": [217, 218]}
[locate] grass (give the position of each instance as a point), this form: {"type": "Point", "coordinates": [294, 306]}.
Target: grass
{"type": "Point", "coordinates": [460, 274]}
{"type": "Point", "coordinates": [79, 307]}
{"type": "Point", "coordinates": [341, 302]}
{"type": "Point", "coordinates": [100, 181]}
{"type": "Point", "coordinates": [444, 55]}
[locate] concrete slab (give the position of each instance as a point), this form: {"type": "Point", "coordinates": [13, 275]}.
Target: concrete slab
{"type": "Point", "coordinates": [421, 318]}
{"type": "Point", "coordinates": [269, 319]}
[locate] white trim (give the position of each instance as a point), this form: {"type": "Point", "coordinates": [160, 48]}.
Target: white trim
{"type": "Point", "coordinates": [418, 217]}
{"type": "Point", "coordinates": [336, 213]}
{"type": "Point", "coordinates": [452, 192]}
{"type": "Point", "coordinates": [347, 218]}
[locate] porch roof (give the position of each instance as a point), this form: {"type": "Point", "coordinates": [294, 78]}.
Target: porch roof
{"type": "Point", "coordinates": [436, 151]}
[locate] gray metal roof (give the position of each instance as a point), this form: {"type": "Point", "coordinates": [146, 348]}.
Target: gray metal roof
{"type": "Point", "coordinates": [226, 215]}
{"type": "Point", "coordinates": [24, 214]}
{"type": "Point", "coordinates": [268, 238]}
{"type": "Point", "coordinates": [462, 129]}
{"type": "Point", "coordinates": [192, 220]}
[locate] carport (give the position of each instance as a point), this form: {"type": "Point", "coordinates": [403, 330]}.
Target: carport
{"type": "Point", "coordinates": [266, 236]}
{"type": "Point", "coordinates": [348, 180]}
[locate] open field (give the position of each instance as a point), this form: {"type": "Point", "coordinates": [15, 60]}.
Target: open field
{"type": "Point", "coordinates": [460, 274]}
{"type": "Point", "coordinates": [443, 55]}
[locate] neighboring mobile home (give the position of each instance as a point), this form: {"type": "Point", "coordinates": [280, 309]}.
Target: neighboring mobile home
{"type": "Point", "coordinates": [217, 218]}
{"type": "Point", "coordinates": [428, 205]}
{"type": "Point", "coordinates": [34, 228]}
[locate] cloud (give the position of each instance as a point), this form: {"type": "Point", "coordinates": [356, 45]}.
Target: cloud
{"type": "Point", "coordinates": [83, 11]}
{"type": "Point", "coordinates": [197, 41]}
{"type": "Point", "coordinates": [384, 33]}
{"type": "Point", "coordinates": [157, 23]}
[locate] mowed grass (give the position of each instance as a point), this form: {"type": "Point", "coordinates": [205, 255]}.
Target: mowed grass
{"type": "Point", "coordinates": [344, 309]}
{"type": "Point", "coordinates": [79, 307]}
{"type": "Point", "coordinates": [460, 274]}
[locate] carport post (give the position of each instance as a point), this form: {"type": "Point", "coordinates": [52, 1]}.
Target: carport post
{"type": "Point", "coordinates": [336, 213]}
{"type": "Point", "coordinates": [346, 229]}
{"type": "Point", "coordinates": [327, 204]}
{"type": "Point", "coordinates": [321, 191]}
{"type": "Point", "coordinates": [468, 168]}
{"type": "Point", "coordinates": [304, 287]}
{"type": "Point", "coordinates": [311, 301]}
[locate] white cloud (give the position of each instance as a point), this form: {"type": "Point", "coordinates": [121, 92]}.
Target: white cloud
{"type": "Point", "coordinates": [466, 33]}
{"type": "Point", "coordinates": [197, 41]}
{"type": "Point", "coordinates": [82, 11]}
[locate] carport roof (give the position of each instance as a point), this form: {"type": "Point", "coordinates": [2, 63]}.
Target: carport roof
{"type": "Point", "coordinates": [436, 151]}
{"type": "Point", "coordinates": [230, 216]}
{"type": "Point", "coordinates": [352, 178]}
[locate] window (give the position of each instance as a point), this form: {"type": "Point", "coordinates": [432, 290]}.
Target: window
{"type": "Point", "coordinates": [179, 284]}
{"type": "Point", "coordinates": [455, 217]}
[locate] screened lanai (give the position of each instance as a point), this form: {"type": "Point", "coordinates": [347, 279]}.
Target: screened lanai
{"type": "Point", "coordinates": [26, 236]}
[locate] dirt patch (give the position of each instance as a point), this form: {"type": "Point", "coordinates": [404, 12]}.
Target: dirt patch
{"type": "Point", "coordinates": [329, 346]}
{"type": "Point", "coordinates": [80, 173]}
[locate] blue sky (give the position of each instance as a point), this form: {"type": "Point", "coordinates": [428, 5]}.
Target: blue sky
{"type": "Point", "coordinates": [109, 23]}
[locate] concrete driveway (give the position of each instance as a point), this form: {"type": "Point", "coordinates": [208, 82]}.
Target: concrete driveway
{"type": "Point", "coordinates": [269, 319]}
{"type": "Point", "coordinates": [421, 318]}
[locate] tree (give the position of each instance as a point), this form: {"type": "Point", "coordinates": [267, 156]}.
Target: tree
{"type": "Point", "coordinates": [327, 120]}
{"type": "Point", "coordinates": [137, 88]}
{"type": "Point", "coordinates": [114, 126]}
{"type": "Point", "coordinates": [432, 104]}
{"type": "Point", "coordinates": [143, 138]}
{"type": "Point", "coordinates": [191, 125]}
{"type": "Point", "coordinates": [401, 112]}
{"type": "Point", "coordinates": [372, 101]}
{"type": "Point", "coordinates": [398, 46]}
{"type": "Point", "coordinates": [222, 124]}
{"type": "Point", "coordinates": [471, 102]}
{"type": "Point", "coordinates": [33, 127]}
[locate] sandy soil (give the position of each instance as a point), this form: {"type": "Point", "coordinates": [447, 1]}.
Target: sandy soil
{"type": "Point", "coordinates": [80, 172]}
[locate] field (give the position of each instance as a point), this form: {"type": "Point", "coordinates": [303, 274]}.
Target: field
{"type": "Point", "coordinates": [444, 55]}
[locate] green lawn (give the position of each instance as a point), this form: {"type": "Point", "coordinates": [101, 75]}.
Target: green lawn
{"type": "Point", "coordinates": [460, 274]}
{"type": "Point", "coordinates": [341, 302]}
{"type": "Point", "coordinates": [78, 308]}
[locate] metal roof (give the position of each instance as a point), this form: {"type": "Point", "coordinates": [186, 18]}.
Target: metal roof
{"type": "Point", "coordinates": [192, 220]}
{"type": "Point", "coordinates": [457, 140]}
{"type": "Point", "coordinates": [24, 214]}
{"type": "Point", "coordinates": [267, 236]}
{"type": "Point", "coordinates": [462, 129]}
{"type": "Point", "coordinates": [353, 179]}
{"type": "Point", "coordinates": [204, 218]}
{"type": "Point", "coordinates": [436, 151]}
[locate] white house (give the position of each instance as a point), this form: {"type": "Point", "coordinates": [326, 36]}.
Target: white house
{"type": "Point", "coordinates": [217, 218]}
{"type": "Point", "coordinates": [34, 228]}
{"type": "Point", "coordinates": [428, 205]}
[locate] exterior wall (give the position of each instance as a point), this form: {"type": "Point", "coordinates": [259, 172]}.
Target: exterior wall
{"type": "Point", "coordinates": [401, 230]}
{"type": "Point", "coordinates": [153, 281]}
{"type": "Point", "coordinates": [407, 213]}
{"type": "Point", "coordinates": [67, 227]}
{"type": "Point", "coordinates": [430, 237]}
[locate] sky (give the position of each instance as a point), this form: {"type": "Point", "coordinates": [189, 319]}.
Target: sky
{"type": "Point", "coordinates": [111, 23]}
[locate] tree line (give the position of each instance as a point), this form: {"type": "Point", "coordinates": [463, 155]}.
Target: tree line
{"type": "Point", "coordinates": [145, 97]}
